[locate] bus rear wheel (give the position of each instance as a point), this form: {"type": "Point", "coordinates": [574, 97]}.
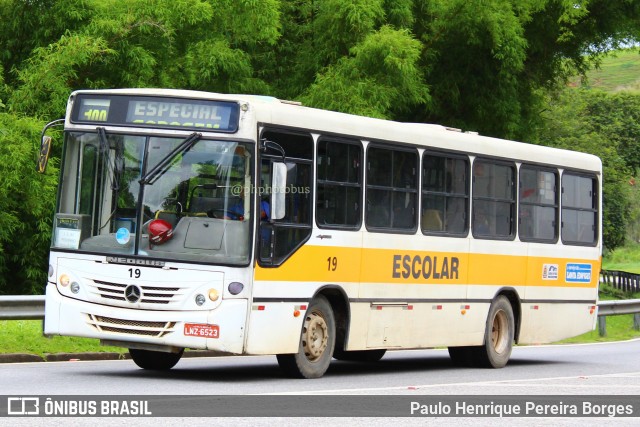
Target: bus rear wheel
{"type": "Point", "coordinates": [317, 341]}
{"type": "Point", "coordinates": [155, 360]}
{"type": "Point", "coordinates": [499, 335]}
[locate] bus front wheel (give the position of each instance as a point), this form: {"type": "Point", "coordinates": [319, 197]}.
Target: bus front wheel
{"type": "Point", "coordinates": [317, 341]}
{"type": "Point", "coordinates": [155, 360]}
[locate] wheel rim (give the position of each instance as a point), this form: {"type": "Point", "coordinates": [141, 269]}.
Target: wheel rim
{"type": "Point", "coordinates": [500, 332]}
{"type": "Point", "coordinates": [314, 336]}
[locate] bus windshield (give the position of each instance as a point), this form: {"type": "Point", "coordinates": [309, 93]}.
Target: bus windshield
{"type": "Point", "coordinates": [170, 198]}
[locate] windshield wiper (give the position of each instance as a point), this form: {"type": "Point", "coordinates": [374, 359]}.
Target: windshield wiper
{"type": "Point", "coordinates": [184, 146]}
{"type": "Point", "coordinates": [118, 161]}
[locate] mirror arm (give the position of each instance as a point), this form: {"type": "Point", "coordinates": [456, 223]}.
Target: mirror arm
{"type": "Point", "coordinates": [265, 145]}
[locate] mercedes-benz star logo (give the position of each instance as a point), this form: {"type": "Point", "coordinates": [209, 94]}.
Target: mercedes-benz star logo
{"type": "Point", "coordinates": [132, 293]}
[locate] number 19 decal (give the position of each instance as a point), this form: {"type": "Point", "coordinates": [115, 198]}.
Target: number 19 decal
{"type": "Point", "coordinates": [332, 263]}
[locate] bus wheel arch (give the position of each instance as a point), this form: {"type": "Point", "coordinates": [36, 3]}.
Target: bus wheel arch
{"type": "Point", "coordinates": [340, 305]}
{"type": "Point", "coordinates": [516, 306]}
{"type": "Point", "coordinates": [504, 317]}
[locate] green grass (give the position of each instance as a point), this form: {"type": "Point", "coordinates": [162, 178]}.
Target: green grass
{"type": "Point", "coordinates": [619, 71]}
{"type": "Point", "coordinates": [623, 259]}
{"type": "Point", "coordinates": [619, 328]}
{"type": "Point", "coordinates": [25, 336]}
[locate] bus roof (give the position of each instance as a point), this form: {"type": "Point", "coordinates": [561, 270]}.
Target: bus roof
{"type": "Point", "coordinates": [273, 111]}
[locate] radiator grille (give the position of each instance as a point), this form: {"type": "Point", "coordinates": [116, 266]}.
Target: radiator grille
{"type": "Point", "coordinates": [150, 294]}
{"type": "Point", "coordinates": [130, 327]}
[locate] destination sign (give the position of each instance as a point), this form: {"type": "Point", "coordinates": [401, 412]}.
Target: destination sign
{"type": "Point", "coordinates": [161, 112]}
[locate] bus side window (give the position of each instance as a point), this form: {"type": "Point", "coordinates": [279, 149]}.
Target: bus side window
{"type": "Point", "coordinates": [339, 184]}
{"type": "Point", "coordinates": [445, 194]}
{"type": "Point", "coordinates": [392, 189]}
{"type": "Point", "coordinates": [494, 199]}
{"type": "Point", "coordinates": [579, 209]}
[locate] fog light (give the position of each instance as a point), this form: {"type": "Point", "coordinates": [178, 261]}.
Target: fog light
{"type": "Point", "coordinates": [213, 295]}
{"type": "Point", "coordinates": [200, 299]}
{"type": "Point", "coordinates": [64, 280]}
{"type": "Point", "coordinates": [235, 288]}
{"type": "Point", "coordinates": [75, 287]}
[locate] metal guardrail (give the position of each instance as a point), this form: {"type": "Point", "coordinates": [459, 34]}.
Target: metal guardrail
{"type": "Point", "coordinates": [622, 280]}
{"type": "Point", "coordinates": [21, 307]}
{"type": "Point", "coordinates": [18, 307]}
{"type": "Point", "coordinates": [611, 308]}
{"type": "Point", "coordinates": [617, 307]}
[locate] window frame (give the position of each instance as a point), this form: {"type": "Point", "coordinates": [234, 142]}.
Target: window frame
{"type": "Point", "coordinates": [513, 201]}
{"type": "Point", "coordinates": [447, 195]}
{"type": "Point", "coordinates": [595, 209]}
{"type": "Point", "coordinates": [556, 205]}
{"type": "Point", "coordinates": [368, 187]}
{"type": "Point", "coordinates": [274, 226]}
{"type": "Point", "coordinates": [359, 184]}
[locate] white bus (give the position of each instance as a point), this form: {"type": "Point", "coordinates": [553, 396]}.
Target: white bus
{"type": "Point", "coordinates": [249, 225]}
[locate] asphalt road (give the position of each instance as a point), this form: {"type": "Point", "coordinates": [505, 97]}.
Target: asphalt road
{"type": "Point", "coordinates": [588, 369]}
{"type": "Point", "coordinates": [609, 368]}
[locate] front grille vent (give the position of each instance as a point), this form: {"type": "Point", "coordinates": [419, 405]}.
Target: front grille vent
{"type": "Point", "coordinates": [150, 294]}
{"type": "Point", "coordinates": [130, 327]}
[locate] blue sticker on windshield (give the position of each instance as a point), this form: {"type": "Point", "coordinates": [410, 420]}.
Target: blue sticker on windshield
{"type": "Point", "coordinates": [578, 273]}
{"type": "Point", "coordinates": [123, 235]}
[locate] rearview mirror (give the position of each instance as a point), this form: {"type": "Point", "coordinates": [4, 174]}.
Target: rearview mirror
{"type": "Point", "coordinates": [43, 157]}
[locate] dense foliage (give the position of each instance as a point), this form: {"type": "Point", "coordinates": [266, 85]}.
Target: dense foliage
{"type": "Point", "coordinates": [606, 125]}
{"type": "Point", "coordinates": [484, 66]}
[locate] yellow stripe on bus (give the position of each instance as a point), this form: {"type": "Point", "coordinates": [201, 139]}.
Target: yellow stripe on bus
{"type": "Point", "coordinates": [351, 265]}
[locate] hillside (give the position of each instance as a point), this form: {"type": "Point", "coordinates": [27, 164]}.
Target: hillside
{"type": "Point", "coordinates": [620, 71]}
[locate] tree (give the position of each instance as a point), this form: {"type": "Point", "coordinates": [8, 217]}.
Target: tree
{"type": "Point", "coordinates": [26, 207]}
{"type": "Point", "coordinates": [380, 78]}
{"type": "Point", "coordinates": [486, 66]}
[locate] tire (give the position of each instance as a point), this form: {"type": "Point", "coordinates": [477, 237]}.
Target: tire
{"type": "Point", "coordinates": [498, 336]}
{"type": "Point", "coordinates": [359, 355]}
{"type": "Point", "coordinates": [155, 360]}
{"type": "Point", "coordinates": [317, 341]}
{"type": "Point", "coordinates": [462, 356]}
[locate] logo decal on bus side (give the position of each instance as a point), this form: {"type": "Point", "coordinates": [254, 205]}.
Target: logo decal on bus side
{"type": "Point", "coordinates": [550, 272]}
{"type": "Point", "coordinates": [578, 273]}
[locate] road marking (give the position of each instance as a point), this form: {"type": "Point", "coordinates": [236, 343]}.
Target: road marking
{"type": "Point", "coordinates": [479, 383]}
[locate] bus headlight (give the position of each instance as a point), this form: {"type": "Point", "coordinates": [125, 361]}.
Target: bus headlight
{"type": "Point", "coordinates": [64, 280]}
{"type": "Point", "coordinates": [75, 287]}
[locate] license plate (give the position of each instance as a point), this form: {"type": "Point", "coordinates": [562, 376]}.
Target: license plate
{"type": "Point", "coordinates": [198, 330]}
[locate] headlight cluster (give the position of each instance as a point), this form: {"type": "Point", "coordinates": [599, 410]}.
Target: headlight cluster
{"type": "Point", "coordinates": [65, 281]}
